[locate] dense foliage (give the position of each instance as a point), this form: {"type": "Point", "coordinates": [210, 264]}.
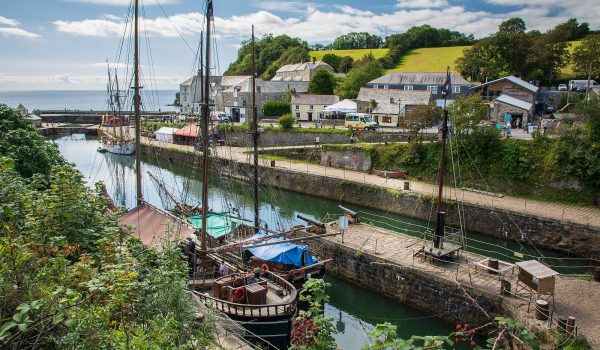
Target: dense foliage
{"type": "Point", "coordinates": [358, 77]}
{"type": "Point", "coordinates": [275, 108]}
{"type": "Point", "coordinates": [427, 36]}
{"type": "Point", "coordinates": [513, 50]}
{"type": "Point", "coordinates": [586, 57]}
{"type": "Point", "coordinates": [153, 126]}
{"type": "Point", "coordinates": [322, 83]}
{"type": "Point", "coordinates": [272, 52]}
{"type": "Point", "coordinates": [70, 277]}
{"type": "Point", "coordinates": [286, 121]}
{"type": "Point", "coordinates": [357, 40]}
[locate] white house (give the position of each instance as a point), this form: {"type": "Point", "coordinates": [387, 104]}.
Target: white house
{"type": "Point", "coordinates": [309, 107]}
{"type": "Point", "coordinates": [392, 105]}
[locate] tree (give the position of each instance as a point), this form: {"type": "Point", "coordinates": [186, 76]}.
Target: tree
{"type": "Point", "coordinates": [467, 112]}
{"type": "Point", "coordinates": [323, 82]}
{"type": "Point", "coordinates": [586, 57]}
{"type": "Point", "coordinates": [286, 121]}
{"type": "Point", "coordinates": [512, 26]}
{"type": "Point", "coordinates": [357, 40]}
{"type": "Point", "coordinates": [292, 55]}
{"type": "Point", "coordinates": [357, 78]}
{"type": "Point", "coordinates": [275, 108]}
{"type": "Point", "coordinates": [480, 62]}
{"type": "Point", "coordinates": [345, 64]}
{"type": "Point", "coordinates": [333, 60]}
{"type": "Point", "coordinates": [421, 117]}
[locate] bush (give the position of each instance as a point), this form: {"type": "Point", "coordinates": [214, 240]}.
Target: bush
{"type": "Point", "coordinates": [286, 122]}
{"type": "Point", "coordinates": [276, 108]}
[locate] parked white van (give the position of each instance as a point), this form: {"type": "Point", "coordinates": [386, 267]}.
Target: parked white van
{"type": "Point", "coordinates": [360, 121]}
{"type": "Point", "coordinates": [581, 85]}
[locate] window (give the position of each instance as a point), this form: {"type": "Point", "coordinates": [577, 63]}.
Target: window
{"type": "Point", "coordinates": [375, 86]}
{"type": "Point", "coordinates": [297, 114]}
{"type": "Point", "coordinates": [311, 107]}
{"type": "Point", "coordinates": [456, 89]}
{"type": "Point", "coordinates": [297, 107]}
{"type": "Point", "coordinates": [433, 89]}
{"type": "Point", "coordinates": [408, 87]}
{"type": "Point", "coordinates": [386, 87]}
{"type": "Point", "coordinates": [386, 119]}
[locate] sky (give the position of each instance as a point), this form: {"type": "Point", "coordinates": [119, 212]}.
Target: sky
{"type": "Point", "coordinates": [66, 44]}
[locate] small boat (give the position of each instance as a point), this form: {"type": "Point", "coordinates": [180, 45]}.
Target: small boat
{"type": "Point", "coordinates": [125, 148]}
{"type": "Point", "coordinates": [101, 148]}
{"type": "Point", "coordinates": [262, 302]}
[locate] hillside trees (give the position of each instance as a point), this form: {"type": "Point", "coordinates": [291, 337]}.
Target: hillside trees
{"type": "Point", "coordinates": [357, 78]}
{"type": "Point", "coordinates": [322, 83]}
{"type": "Point", "coordinates": [356, 40]}
{"type": "Point", "coordinates": [512, 50]}
{"type": "Point", "coordinates": [333, 60]}
{"type": "Point", "coordinates": [271, 51]}
{"type": "Point", "coordinates": [586, 57]}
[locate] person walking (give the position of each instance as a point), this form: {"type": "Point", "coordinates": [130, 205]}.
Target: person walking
{"type": "Point", "coordinates": [317, 142]}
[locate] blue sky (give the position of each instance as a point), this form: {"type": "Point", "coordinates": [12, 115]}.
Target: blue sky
{"type": "Point", "coordinates": [64, 44]}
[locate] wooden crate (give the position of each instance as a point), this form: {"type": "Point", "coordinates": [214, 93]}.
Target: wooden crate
{"type": "Point", "coordinates": [256, 294]}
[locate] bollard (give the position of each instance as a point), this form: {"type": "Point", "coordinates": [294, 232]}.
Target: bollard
{"type": "Point", "coordinates": [505, 287]}
{"type": "Point", "coordinates": [570, 330]}
{"type": "Point", "coordinates": [406, 185]}
{"type": "Point", "coordinates": [562, 324]}
{"type": "Point", "coordinates": [493, 264]}
{"type": "Point", "coordinates": [596, 274]}
{"type": "Point", "coordinates": [542, 310]}
{"type": "Point", "coordinates": [272, 164]}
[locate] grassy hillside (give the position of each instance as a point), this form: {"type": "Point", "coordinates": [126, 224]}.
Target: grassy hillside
{"type": "Point", "coordinates": [356, 54]}
{"type": "Point", "coordinates": [431, 59]}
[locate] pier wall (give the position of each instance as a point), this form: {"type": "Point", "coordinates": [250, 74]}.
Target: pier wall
{"type": "Point", "coordinates": [275, 138]}
{"type": "Point", "coordinates": [436, 295]}
{"type": "Point", "coordinates": [566, 237]}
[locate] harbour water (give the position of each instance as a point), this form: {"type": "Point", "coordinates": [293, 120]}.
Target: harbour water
{"type": "Point", "coordinates": [83, 100]}
{"type": "Point", "coordinates": [355, 310]}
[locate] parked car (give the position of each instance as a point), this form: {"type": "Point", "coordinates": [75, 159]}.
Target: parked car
{"type": "Point", "coordinates": [359, 121]}
{"type": "Point", "coordinates": [562, 87]}
{"type": "Point", "coordinates": [581, 85]}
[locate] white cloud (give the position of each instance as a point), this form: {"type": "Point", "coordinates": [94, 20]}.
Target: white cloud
{"type": "Point", "coordinates": [124, 2]}
{"type": "Point", "coordinates": [8, 21]}
{"type": "Point", "coordinates": [421, 3]}
{"type": "Point", "coordinates": [286, 6]}
{"type": "Point", "coordinates": [8, 32]}
{"type": "Point", "coordinates": [90, 27]}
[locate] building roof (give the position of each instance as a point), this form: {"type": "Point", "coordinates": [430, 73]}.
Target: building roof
{"type": "Point", "coordinates": [232, 80]}
{"type": "Point", "coordinates": [513, 101]}
{"type": "Point", "coordinates": [166, 130]}
{"type": "Point", "coordinates": [223, 80]}
{"type": "Point", "coordinates": [311, 99]}
{"type": "Point", "coordinates": [266, 86]}
{"type": "Point", "coordinates": [536, 269]}
{"type": "Point", "coordinates": [303, 66]}
{"type": "Point", "coordinates": [401, 98]}
{"type": "Point", "coordinates": [419, 78]}
{"type": "Point", "coordinates": [152, 226]}
{"type": "Point", "coordinates": [191, 130]}
{"type": "Point", "coordinates": [32, 116]}
{"type": "Point", "coordinates": [522, 83]}
{"type": "Point", "coordinates": [345, 106]}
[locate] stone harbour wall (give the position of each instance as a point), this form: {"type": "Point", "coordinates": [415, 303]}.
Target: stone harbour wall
{"type": "Point", "coordinates": [405, 284]}
{"type": "Point", "coordinates": [566, 237]}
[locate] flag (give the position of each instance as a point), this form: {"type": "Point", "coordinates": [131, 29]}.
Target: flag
{"type": "Point", "coordinates": [447, 87]}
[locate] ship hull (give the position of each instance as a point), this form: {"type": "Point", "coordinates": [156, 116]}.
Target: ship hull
{"type": "Point", "coordinates": [123, 148]}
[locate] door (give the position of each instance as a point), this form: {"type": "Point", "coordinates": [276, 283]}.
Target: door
{"type": "Point", "coordinates": [310, 116]}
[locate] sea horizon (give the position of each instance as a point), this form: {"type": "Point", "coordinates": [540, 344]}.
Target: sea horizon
{"type": "Point", "coordinates": [81, 99]}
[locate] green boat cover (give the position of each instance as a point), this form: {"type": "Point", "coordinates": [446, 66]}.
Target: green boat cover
{"type": "Point", "coordinates": [217, 225]}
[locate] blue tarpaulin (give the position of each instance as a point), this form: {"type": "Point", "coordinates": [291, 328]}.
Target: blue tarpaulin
{"type": "Point", "coordinates": [285, 253]}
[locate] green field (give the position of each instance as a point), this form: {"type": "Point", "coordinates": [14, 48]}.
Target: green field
{"type": "Point", "coordinates": [356, 54]}
{"type": "Point", "coordinates": [431, 59]}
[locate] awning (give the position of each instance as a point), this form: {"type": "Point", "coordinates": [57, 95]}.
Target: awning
{"type": "Point", "coordinates": [191, 130]}
{"type": "Point", "coordinates": [153, 226]}
{"type": "Point", "coordinates": [515, 102]}
{"type": "Point", "coordinates": [285, 253]}
{"type": "Point", "coordinates": [217, 225]}
{"type": "Point", "coordinates": [166, 130]}
{"type": "Point", "coordinates": [345, 106]}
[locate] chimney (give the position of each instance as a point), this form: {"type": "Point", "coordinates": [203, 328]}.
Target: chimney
{"type": "Point", "coordinates": [314, 60]}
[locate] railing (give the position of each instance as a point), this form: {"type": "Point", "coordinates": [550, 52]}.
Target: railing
{"type": "Point", "coordinates": [285, 308]}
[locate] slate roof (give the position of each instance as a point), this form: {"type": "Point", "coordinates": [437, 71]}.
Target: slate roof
{"type": "Point", "coordinates": [302, 66]}
{"type": "Point", "coordinates": [419, 78]}
{"type": "Point", "coordinates": [311, 99]}
{"type": "Point", "coordinates": [401, 99]}
{"type": "Point", "coordinates": [509, 100]}
{"type": "Point", "coordinates": [265, 86]}
{"type": "Point", "coordinates": [522, 83]}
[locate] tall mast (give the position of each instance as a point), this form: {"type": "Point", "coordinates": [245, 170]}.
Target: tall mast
{"type": "Point", "coordinates": [204, 123]}
{"type": "Point", "coordinates": [441, 215]}
{"type": "Point", "coordinates": [255, 136]}
{"type": "Point", "coordinates": [136, 105]}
